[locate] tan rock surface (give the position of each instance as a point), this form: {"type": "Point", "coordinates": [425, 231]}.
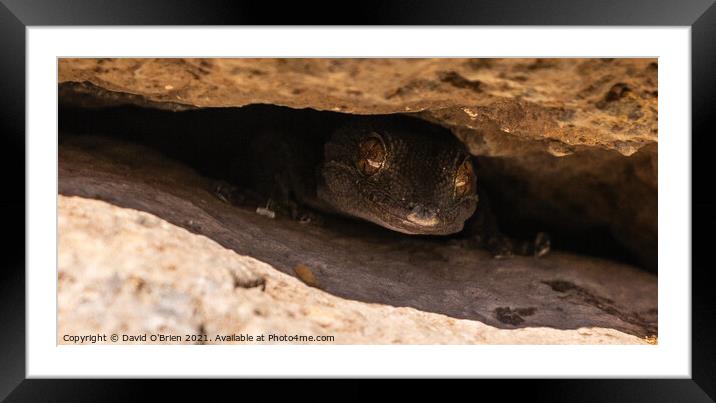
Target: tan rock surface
{"type": "Point", "coordinates": [609, 103]}
{"type": "Point", "coordinates": [126, 272]}
{"type": "Point", "coordinates": [161, 254]}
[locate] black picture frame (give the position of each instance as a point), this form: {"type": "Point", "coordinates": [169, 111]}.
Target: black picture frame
{"type": "Point", "coordinates": [16, 15]}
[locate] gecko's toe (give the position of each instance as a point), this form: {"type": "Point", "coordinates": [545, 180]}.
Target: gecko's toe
{"type": "Point", "coordinates": [227, 193]}
{"type": "Point", "coordinates": [305, 216]}
{"type": "Point", "coordinates": [500, 248]}
{"type": "Point", "coordinates": [542, 244]}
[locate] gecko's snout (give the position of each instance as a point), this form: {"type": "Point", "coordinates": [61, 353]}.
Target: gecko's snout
{"type": "Point", "coordinates": [423, 216]}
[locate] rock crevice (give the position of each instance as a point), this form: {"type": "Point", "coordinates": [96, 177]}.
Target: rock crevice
{"type": "Point", "coordinates": [137, 246]}
{"type": "Point", "coordinates": [564, 145]}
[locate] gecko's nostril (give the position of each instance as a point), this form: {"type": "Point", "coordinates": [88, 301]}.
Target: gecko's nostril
{"type": "Point", "coordinates": [422, 215]}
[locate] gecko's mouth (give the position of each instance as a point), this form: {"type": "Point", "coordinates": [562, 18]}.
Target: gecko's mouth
{"type": "Point", "coordinates": [412, 224]}
{"type": "Point", "coordinates": [411, 228]}
{"type": "Point", "coordinates": [406, 226]}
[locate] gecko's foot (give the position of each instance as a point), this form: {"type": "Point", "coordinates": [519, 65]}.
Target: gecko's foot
{"type": "Point", "coordinates": [304, 216]}
{"type": "Point", "coordinates": [228, 193]}
{"type": "Point", "coordinates": [501, 247]}
{"type": "Point", "coordinates": [542, 244]}
{"type": "Point", "coordinates": [308, 217]}
{"type": "Point", "coordinates": [290, 209]}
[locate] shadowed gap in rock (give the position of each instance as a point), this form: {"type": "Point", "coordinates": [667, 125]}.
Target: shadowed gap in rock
{"type": "Point", "coordinates": [209, 139]}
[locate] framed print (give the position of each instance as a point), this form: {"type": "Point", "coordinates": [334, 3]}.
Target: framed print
{"type": "Point", "coordinates": [208, 197]}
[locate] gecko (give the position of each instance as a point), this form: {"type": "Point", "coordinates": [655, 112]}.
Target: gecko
{"type": "Point", "coordinates": [396, 171]}
{"type": "Point", "coordinates": [399, 172]}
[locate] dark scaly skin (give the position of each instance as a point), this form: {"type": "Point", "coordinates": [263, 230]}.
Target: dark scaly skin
{"type": "Point", "coordinates": [413, 193]}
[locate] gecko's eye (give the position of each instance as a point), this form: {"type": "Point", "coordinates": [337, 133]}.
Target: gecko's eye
{"type": "Point", "coordinates": [371, 155]}
{"type": "Point", "coordinates": [463, 179]}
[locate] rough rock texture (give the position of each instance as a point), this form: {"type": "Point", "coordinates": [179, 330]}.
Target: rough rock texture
{"type": "Point", "coordinates": [610, 103]}
{"type": "Point", "coordinates": [166, 256]}
{"type": "Point", "coordinates": [127, 272]}
{"type": "Point", "coordinates": [576, 137]}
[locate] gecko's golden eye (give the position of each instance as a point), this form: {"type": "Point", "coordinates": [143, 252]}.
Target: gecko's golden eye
{"type": "Point", "coordinates": [463, 179]}
{"type": "Point", "coordinates": [371, 156]}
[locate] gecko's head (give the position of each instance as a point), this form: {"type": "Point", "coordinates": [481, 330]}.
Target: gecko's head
{"type": "Point", "coordinates": [401, 173]}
